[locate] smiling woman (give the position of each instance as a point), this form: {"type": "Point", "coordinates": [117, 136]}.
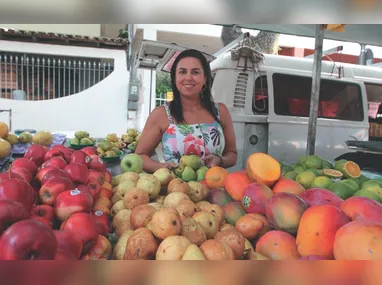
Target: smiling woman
{"type": "Point", "coordinates": [192, 123]}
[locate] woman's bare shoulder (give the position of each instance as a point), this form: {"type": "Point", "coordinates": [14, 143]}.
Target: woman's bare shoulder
{"type": "Point", "coordinates": [223, 107]}
{"type": "Point", "coordinates": [224, 112]}
{"type": "Point", "coordinates": [158, 116]}
{"type": "Point", "coordinates": [158, 112]}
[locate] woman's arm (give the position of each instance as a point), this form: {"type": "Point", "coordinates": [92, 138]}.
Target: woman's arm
{"type": "Point", "coordinates": [149, 140]}
{"type": "Point", "coordinates": [229, 157]}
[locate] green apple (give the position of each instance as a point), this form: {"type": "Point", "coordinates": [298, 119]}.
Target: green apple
{"type": "Point", "coordinates": [132, 163]}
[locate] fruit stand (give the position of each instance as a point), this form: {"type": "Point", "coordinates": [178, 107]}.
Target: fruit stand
{"type": "Point", "coordinates": [73, 201]}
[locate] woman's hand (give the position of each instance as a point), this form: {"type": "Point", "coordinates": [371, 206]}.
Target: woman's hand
{"type": "Point", "coordinates": [212, 160]}
{"type": "Point", "coordinates": [170, 165]}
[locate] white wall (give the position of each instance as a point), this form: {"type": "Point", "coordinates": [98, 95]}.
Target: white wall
{"type": "Point", "coordinates": [101, 109]}
{"type": "Point", "coordinates": [146, 91]}
{"type": "Point", "coordinates": [93, 30]}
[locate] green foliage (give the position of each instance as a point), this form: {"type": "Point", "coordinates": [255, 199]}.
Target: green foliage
{"type": "Point", "coordinates": [123, 33]}
{"type": "Point", "coordinates": [163, 83]}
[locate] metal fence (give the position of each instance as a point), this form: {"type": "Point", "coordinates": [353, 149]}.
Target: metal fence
{"type": "Point", "coordinates": [161, 99]}
{"type": "Point", "coordinates": [27, 76]}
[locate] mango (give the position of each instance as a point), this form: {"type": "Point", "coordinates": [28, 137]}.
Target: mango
{"type": "Point", "coordinates": [312, 257]}
{"type": "Point", "coordinates": [362, 208]}
{"type": "Point", "coordinates": [263, 168]}
{"type": "Point", "coordinates": [233, 212]}
{"type": "Point", "coordinates": [317, 229]}
{"type": "Point", "coordinates": [359, 240]}
{"type": "Point", "coordinates": [289, 186]}
{"type": "Point", "coordinates": [278, 245]}
{"type": "Point", "coordinates": [319, 196]}
{"type": "Point", "coordinates": [236, 183]}
{"type": "Point", "coordinates": [284, 211]}
{"type": "Point", "coordinates": [255, 198]}
{"type": "Point", "coordinates": [252, 226]}
{"type": "Point", "coordinates": [219, 197]}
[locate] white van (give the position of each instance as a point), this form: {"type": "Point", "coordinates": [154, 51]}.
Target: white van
{"type": "Point", "coordinates": [270, 105]}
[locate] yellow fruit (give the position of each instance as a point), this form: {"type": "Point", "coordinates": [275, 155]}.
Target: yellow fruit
{"type": "Point", "coordinates": [5, 148]}
{"type": "Point", "coordinates": [12, 139]}
{"type": "Point", "coordinates": [25, 137]}
{"type": "Point", "coordinates": [4, 130]}
{"type": "Point", "coordinates": [43, 138]}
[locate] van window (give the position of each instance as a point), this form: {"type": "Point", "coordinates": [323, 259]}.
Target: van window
{"type": "Point", "coordinates": [374, 97]}
{"type": "Point", "coordinates": [338, 100]}
{"type": "Point", "coordinates": [260, 96]}
{"type": "Point", "coordinates": [374, 92]}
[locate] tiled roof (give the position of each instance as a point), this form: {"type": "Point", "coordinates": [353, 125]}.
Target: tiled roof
{"type": "Point", "coordinates": [62, 39]}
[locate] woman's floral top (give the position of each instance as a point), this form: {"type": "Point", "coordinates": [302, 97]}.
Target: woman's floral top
{"type": "Point", "coordinates": [200, 139]}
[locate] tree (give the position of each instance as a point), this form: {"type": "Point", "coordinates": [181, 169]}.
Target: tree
{"type": "Point", "coordinates": [264, 42]}
{"type": "Point", "coordinates": [163, 83]}
{"type": "Point", "coordinates": [123, 33]}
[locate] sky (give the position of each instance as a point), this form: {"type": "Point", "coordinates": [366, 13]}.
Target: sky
{"type": "Point", "coordinates": [285, 40]}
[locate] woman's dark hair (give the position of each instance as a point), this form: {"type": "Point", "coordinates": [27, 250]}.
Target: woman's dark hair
{"type": "Point", "coordinates": [176, 108]}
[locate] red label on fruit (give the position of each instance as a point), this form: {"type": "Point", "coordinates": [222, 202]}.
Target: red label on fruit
{"type": "Point", "coordinates": [98, 213]}
{"type": "Point", "coordinates": [100, 160]}
{"type": "Point", "coordinates": [87, 159]}
{"type": "Point", "coordinates": [75, 192]}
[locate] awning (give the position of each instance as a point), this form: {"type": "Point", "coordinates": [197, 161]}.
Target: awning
{"type": "Point", "coordinates": [363, 34]}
